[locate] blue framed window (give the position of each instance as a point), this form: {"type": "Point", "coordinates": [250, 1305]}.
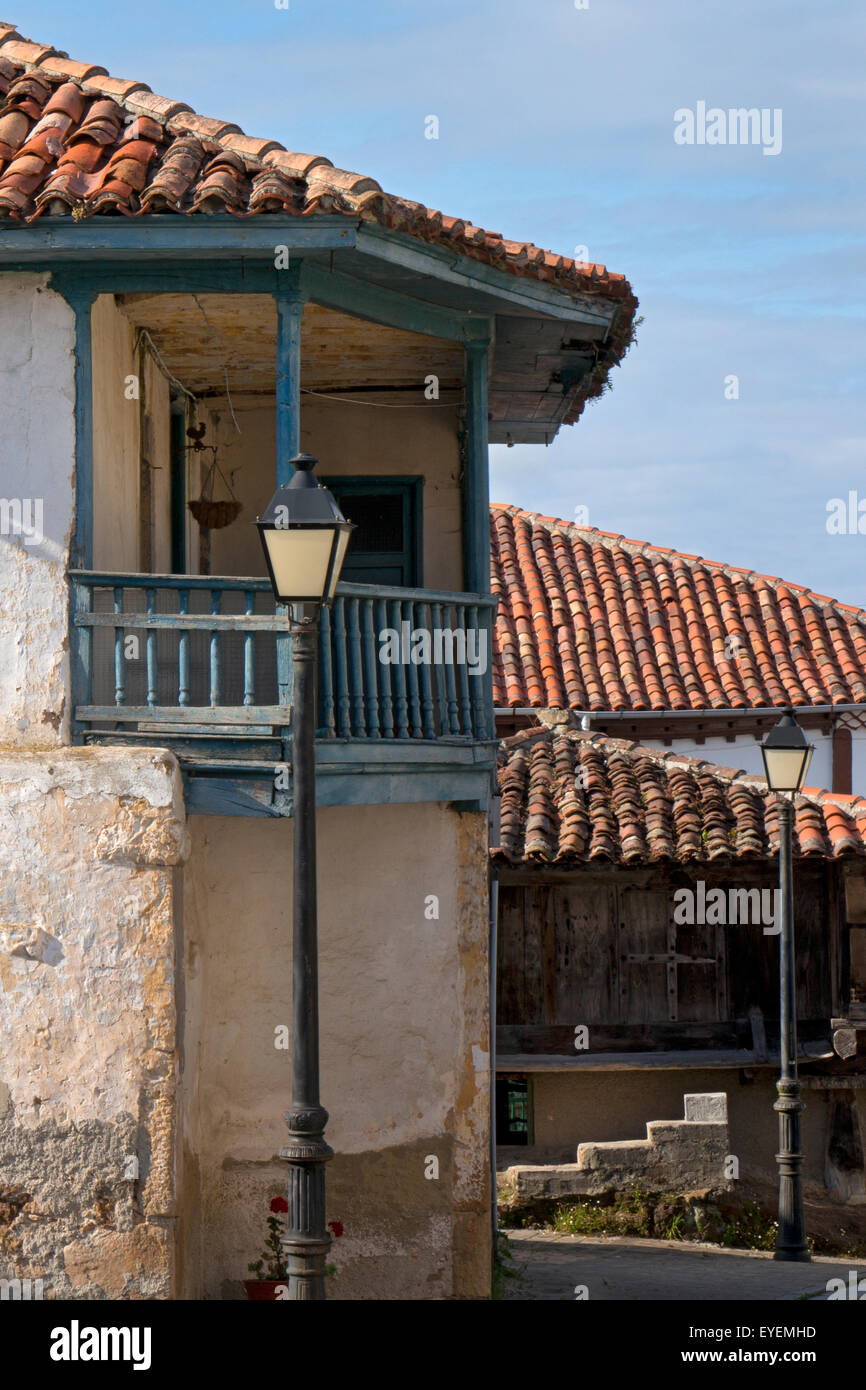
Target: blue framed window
{"type": "Point", "coordinates": [386, 546]}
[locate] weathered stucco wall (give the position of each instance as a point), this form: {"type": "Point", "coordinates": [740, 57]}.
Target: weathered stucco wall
{"type": "Point", "coordinates": [405, 1047]}
{"type": "Point", "coordinates": [115, 440]}
{"type": "Point", "coordinates": [36, 473]}
{"type": "Point", "coordinates": [348, 440]}
{"type": "Point", "coordinates": [120, 397]}
{"type": "Point", "coordinates": [89, 914]}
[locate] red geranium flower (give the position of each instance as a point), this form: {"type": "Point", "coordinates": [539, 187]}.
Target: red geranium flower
{"type": "Point", "coordinates": [279, 1204]}
{"type": "Point", "coordinates": [336, 1227]}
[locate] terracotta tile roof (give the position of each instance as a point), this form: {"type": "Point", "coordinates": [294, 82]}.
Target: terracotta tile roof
{"type": "Point", "coordinates": [593, 621]}
{"type": "Point", "coordinates": [570, 798]}
{"type": "Point", "coordinates": [74, 140]}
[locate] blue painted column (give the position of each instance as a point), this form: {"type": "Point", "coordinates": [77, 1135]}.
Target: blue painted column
{"type": "Point", "coordinates": [81, 546]}
{"type": "Point", "coordinates": [81, 302]}
{"type": "Point", "coordinates": [476, 501]}
{"type": "Point", "coordinates": [290, 307]}
{"type": "Point", "coordinates": [476, 485]}
{"type": "Point", "coordinates": [289, 298]}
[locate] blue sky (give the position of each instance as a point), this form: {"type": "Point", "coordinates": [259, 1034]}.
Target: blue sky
{"type": "Point", "coordinates": [556, 125]}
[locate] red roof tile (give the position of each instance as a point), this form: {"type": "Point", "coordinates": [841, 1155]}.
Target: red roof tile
{"type": "Point", "coordinates": [191, 164]}
{"type": "Point", "coordinates": [588, 620]}
{"type": "Point", "coordinates": [570, 797]}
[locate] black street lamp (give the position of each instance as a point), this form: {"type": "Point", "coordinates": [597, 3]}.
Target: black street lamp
{"type": "Point", "coordinates": [786, 757]}
{"type": "Point", "coordinates": [305, 535]}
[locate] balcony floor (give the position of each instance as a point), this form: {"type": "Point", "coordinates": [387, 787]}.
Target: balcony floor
{"type": "Point", "coordinates": [238, 775]}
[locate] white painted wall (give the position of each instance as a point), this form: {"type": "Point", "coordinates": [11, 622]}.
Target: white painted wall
{"type": "Point", "coordinates": [745, 753]}
{"type": "Point", "coordinates": [37, 450]}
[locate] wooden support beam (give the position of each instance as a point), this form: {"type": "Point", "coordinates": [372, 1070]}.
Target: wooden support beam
{"type": "Point", "coordinates": [439, 263]}
{"type": "Point", "coordinates": [178, 716]}
{"type": "Point", "coordinates": [476, 506]}
{"type": "Point", "coordinates": [80, 300]}
{"type": "Point", "coordinates": [348, 295]}
{"type": "Point", "coordinates": [55, 239]}
{"type": "Point", "coordinates": [290, 309]}
{"type": "Point", "coordinates": [476, 487]}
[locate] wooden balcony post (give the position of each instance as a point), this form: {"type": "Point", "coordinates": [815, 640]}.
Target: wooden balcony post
{"type": "Point", "coordinates": [289, 299]}
{"type": "Point", "coordinates": [290, 309]}
{"type": "Point", "coordinates": [476, 487]}
{"type": "Point", "coordinates": [81, 303]}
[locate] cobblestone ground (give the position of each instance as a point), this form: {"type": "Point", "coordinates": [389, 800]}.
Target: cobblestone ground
{"type": "Point", "coordinates": [553, 1266]}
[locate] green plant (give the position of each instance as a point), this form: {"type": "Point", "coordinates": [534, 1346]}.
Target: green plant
{"type": "Point", "coordinates": [503, 1265]}
{"type": "Point", "coordinates": [629, 1214]}
{"type": "Point", "coordinates": [751, 1231]}
{"type": "Point", "coordinates": [272, 1264]}
{"type": "Point", "coordinates": [675, 1230]}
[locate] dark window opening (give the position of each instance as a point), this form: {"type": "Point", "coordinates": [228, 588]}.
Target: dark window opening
{"type": "Point", "coordinates": [512, 1112]}
{"type": "Point", "coordinates": [385, 547]}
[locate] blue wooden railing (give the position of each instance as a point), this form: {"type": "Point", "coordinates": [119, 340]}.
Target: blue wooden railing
{"type": "Point", "coordinates": [190, 653]}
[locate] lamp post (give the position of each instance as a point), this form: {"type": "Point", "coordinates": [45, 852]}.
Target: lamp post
{"type": "Point", "coordinates": [304, 535]}
{"type": "Point", "coordinates": [786, 757]}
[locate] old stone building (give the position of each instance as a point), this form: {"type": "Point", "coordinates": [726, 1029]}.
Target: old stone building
{"type": "Point", "coordinates": [183, 308]}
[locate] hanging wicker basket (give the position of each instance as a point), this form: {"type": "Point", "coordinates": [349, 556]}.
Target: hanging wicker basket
{"type": "Point", "coordinates": [212, 514]}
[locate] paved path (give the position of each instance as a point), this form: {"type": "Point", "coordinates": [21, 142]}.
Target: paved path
{"type": "Point", "coordinates": [620, 1267]}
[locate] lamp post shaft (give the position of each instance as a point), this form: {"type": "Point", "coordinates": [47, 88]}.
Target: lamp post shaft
{"type": "Point", "coordinates": [791, 1243]}
{"type": "Point", "coordinates": [307, 1240]}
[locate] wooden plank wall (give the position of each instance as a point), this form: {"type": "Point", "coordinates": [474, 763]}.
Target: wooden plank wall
{"type": "Point", "coordinates": [607, 951]}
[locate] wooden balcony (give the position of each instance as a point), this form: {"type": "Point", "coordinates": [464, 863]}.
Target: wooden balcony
{"type": "Point", "coordinates": [202, 665]}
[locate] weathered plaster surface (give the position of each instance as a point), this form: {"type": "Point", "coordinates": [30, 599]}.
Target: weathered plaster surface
{"type": "Point", "coordinates": [383, 443]}
{"type": "Point", "coordinates": [405, 1047]}
{"type": "Point", "coordinates": [116, 439]}
{"type": "Point", "coordinates": [37, 466]}
{"type": "Point", "coordinates": [120, 399]}
{"type": "Point", "coordinates": [90, 844]}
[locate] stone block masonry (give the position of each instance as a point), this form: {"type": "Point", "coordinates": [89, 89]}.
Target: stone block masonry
{"type": "Point", "coordinates": [676, 1156]}
{"type": "Point", "coordinates": [90, 845]}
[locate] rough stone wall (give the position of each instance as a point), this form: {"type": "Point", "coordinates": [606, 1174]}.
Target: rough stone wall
{"type": "Point", "coordinates": [404, 1042]}
{"type": "Point", "coordinates": [90, 841]}
{"type": "Point", "coordinates": [37, 473]}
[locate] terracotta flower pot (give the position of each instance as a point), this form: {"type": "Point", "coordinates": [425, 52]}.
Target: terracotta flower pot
{"type": "Point", "coordinates": [264, 1288]}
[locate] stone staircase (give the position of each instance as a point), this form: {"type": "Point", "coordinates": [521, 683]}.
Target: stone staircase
{"type": "Point", "coordinates": [676, 1156]}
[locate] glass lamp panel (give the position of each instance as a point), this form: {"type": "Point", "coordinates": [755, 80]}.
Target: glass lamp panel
{"type": "Point", "coordinates": [786, 767]}
{"type": "Point", "coordinates": [299, 560]}
{"type": "Point", "coordinates": [342, 544]}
